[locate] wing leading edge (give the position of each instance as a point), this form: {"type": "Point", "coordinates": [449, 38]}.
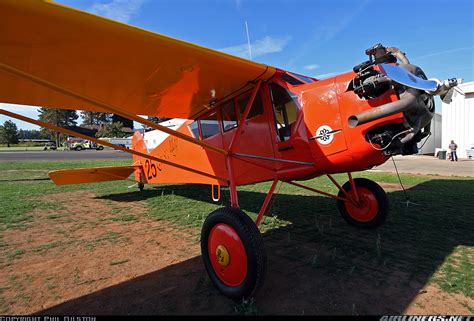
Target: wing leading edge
{"type": "Point", "coordinates": [132, 69]}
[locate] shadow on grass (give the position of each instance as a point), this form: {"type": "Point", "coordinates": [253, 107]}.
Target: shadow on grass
{"type": "Point", "coordinates": [317, 264]}
{"type": "Point", "coordinates": [25, 180]}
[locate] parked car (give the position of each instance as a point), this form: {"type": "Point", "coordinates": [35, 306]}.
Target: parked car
{"type": "Point", "coordinates": [50, 145]}
{"type": "Point", "coordinates": [86, 144]}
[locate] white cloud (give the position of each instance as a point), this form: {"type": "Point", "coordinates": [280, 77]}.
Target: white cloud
{"type": "Point", "coordinates": [311, 67]}
{"type": "Point", "coordinates": [119, 10]}
{"type": "Point", "coordinates": [439, 53]}
{"type": "Point", "coordinates": [259, 48]}
{"type": "Point", "coordinates": [327, 75]}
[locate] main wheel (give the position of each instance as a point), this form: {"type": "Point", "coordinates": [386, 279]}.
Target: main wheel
{"type": "Point", "coordinates": [233, 253]}
{"type": "Point", "coordinates": [372, 209]}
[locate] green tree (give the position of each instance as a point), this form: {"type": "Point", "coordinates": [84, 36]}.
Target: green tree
{"type": "Point", "coordinates": [95, 118]}
{"type": "Point", "coordinates": [58, 117]}
{"type": "Point", "coordinates": [9, 133]}
{"type": "Point", "coordinates": [31, 134]}
{"type": "Point", "coordinates": [111, 130]}
{"type": "Point", "coordinates": [125, 121]}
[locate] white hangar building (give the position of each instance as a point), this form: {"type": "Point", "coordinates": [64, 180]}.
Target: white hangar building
{"type": "Point", "coordinates": [458, 120]}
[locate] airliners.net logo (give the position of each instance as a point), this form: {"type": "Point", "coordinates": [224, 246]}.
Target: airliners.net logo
{"type": "Point", "coordinates": [427, 318]}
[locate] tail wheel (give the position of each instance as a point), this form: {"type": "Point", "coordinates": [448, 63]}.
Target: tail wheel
{"type": "Point", "coordinates": [372, 208]}
{"type": "Point", "coordinates": [233, 253]}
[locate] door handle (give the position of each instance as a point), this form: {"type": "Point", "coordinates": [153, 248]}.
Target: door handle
{"type": "Point", "coordinates": [282, 149]}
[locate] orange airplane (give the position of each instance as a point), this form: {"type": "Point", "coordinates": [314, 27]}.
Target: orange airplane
{"type": "Point", "coordinates": [241, 123]}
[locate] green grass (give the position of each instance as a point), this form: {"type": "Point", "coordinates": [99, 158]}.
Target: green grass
{"type": "Point", "coordinates": [431, 241]}
{"type": "Point", "coordinates": [20, 148]}
{"type": "Point", "coordinates": [457, 272]}
{"type": "Point", "coordinates": [15, 254]}
{"type": "Point", "coordinates": [109, 237]}
{"type": "Point", "coordinates": [22, 183]}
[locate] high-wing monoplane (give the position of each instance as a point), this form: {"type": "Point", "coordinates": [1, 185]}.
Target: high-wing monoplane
{"type": "Point", "coordinates": [237, 122]}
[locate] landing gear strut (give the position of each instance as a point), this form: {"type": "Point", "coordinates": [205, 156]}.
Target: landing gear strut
{"type": "Point", "coordinates": [232, 246]}
{"type": "Point", "coordinates": [361, 202]}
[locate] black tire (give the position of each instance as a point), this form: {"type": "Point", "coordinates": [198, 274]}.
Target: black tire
{"type": "Point", "coordinates": [100, 148]}
{"type": "Point", "coordinates": [78, 148]}
{"type": "Point", "coordinates": [380, 196]}
{"type": "Point", "coordinates": [254, 250]}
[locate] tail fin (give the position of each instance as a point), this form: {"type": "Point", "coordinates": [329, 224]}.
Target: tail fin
{"type": "Point", "coordinates": [138, 144]}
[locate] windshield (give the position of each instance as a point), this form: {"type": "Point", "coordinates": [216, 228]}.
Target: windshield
{"type": "Point", "coordinates": [304, 78]}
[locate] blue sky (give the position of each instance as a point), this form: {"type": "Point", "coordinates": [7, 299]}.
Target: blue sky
{"type": "Point", "coordinates": [319, 38]}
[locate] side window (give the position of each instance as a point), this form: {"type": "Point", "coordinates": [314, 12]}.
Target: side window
{"type": "Point", "coordinates": [209, 126]}
{"type": "Point", "coordinates": [285, 107]}
{"type": "Point", "coordinates": [255, 110]}
{"type": "Point", "coordinates": [229, 118]}
{"type": "Point", "coordinates": [291, 80]}
{"type": "Point", "coordinates": [193, 127]}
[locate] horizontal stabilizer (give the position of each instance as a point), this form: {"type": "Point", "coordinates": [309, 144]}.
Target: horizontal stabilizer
{"type": "Point", "coordinates": [90, 175]}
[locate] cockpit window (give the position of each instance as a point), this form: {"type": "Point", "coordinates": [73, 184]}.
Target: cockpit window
{"type": "Point", "coordinates": [291, 80]}
{"type": "Point", "coordinates": [229, 118]}
{"type": "Point", "coordinates": [255, 110]}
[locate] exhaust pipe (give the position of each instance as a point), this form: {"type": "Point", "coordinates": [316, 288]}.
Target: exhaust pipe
{"type": "Point", "coordinates": [408, 100]}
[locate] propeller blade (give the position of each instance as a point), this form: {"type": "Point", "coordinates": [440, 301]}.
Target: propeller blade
{"type": "Point", "coordinates": [406, 78]}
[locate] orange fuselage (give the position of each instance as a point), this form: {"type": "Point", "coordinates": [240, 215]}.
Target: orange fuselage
{"type": "Point", "coordinates": [317, 135]}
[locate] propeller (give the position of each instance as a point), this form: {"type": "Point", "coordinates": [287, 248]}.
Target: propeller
{"type": "Point", "coordinates": [432, 86]}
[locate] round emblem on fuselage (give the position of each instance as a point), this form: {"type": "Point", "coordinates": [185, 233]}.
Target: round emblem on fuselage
{"type": "Point", "coordinates": [324, 135]}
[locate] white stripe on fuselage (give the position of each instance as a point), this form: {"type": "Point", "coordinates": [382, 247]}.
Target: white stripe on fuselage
{"type": "Point", "coordinates": [154, 138]}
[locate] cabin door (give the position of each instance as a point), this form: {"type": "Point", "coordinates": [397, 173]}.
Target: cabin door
{"type": "Point", "coordinates": [256, 138]}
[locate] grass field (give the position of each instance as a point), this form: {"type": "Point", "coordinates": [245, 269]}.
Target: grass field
{"type": "Point", "coordinates": [422, 256]}
{"type": "Point", "coordinates": [20, 148]}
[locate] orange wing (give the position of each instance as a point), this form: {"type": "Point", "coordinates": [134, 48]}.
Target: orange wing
{"type": "Point", "coordinates": [134, 70]}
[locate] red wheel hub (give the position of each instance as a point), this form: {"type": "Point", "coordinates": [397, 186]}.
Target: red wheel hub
{"type": "Point", "coordinates": [367, 208]}
{"type": "Point", "coordinates": [227, 255]}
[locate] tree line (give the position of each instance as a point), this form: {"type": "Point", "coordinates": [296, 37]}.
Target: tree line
{"type": "Point", "coordinates": [107, 125]}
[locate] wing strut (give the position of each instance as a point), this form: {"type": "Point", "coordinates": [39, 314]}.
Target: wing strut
{"type": "Point", "coordinates": [107, 107]}
{"type": "Point", "coordinates": [101, 142]}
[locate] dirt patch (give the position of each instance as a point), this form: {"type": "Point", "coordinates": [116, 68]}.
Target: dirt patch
{"type": "Point", "coordinates": [433, 301]}
{"type": "Point", "coordinates": [99, 256]}
{"type": "Point", "coordinates": [85, 245]}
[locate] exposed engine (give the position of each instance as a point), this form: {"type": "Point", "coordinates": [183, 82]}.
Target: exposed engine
{"type": "Point", "coordinates": [389, 69]}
